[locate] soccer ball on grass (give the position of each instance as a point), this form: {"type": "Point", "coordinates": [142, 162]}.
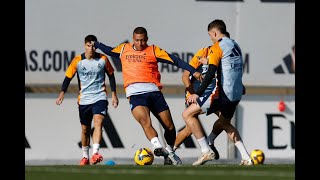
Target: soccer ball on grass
{"type": "Point", "coordinates": [257, 156]}
{"type": "Point", "coordinates": [143, 156]}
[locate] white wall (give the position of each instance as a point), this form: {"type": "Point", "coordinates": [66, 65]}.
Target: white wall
{"type": "Point", "coordinates": [55, 31]}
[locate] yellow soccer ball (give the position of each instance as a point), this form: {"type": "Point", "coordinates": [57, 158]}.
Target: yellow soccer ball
{"type": "Point", "coordinates": [257, 156]}
{"type": "Point", "coordinates": [143, 156]}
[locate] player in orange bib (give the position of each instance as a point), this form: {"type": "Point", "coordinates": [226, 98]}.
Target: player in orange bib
{"type": "Point", "coordinates": [142, 85]}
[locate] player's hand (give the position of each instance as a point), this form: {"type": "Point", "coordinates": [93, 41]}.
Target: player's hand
{"type": "Point", "coordinates": [192, 98]}
{"type": "Point", "coordinates": [60, 98]}
{"type": "Point", "coordinates": [92, 43]}
{"type": "Point", "coordinates": [115, 101]}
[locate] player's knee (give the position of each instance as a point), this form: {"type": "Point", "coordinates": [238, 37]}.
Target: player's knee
{"type": "Point", "coordinates": [145, 122]}
{"type": "Point", "coordinates": [185, 115]}
{"type": "Point", "coordinates": [187, 130]}
{"type": "Point", "coordinates": [86, 131]}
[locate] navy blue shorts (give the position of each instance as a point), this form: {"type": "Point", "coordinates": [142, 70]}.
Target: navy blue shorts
{"type": "Point", "coordinates": [153, 100]}
{"type": "Point", "coordinates": [86, 112]}
{"type": "Point", "coordinates": [227, 107]}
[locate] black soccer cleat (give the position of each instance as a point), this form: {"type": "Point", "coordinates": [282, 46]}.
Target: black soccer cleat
{"type": "Point", "coordinates": [167, 161]}
{"type": "Point", "coordinates": [160, 152]}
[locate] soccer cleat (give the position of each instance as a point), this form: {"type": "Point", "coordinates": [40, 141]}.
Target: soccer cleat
{"type": "Point", "coordinates": [248, 162]}
{"type": "Point", "coordinates": [84, 161]}
{"type": "Point", "coordinates": [167, 161]}
{"type": "Point", "coordinates": [96, 158]}
{"type": "Point", "coordinates": [204, 158]}
{"type": "Point", "coordinates": [174, 159]}
{"type": "Point", "coordinates": [169, 158]}
{"type": "Point", "coordinates": [160, 152]}
{"type": "Point", "coordinates": [217, 156]}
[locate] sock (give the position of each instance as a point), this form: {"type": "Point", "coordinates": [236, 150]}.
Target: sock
{"type": "Point", "coordinates": [85, 151]}
{"type": "Point", "coordinates": [169, 149]}
{"type": "Point", "coordinates": [243, 151]}
{"type": "Point", "coordinates": [95, 148]}
{"type": "Point", "coordinates": [175, 148]}
{"type": "Point", "coordinates": [203, 145]}
{"type": "Point", "coordinates": [211, 138]}
{"type": "Point", "coordinates": [156, 143]}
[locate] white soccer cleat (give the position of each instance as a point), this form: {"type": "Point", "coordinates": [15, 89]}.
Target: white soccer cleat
{"type": "Point", "coordinates": [204, 158]}
{"type": "Point", "coordinates": [247, 162]}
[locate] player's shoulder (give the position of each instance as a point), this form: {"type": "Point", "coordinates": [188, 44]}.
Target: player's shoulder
{"type": "Point", "coordinates": [205, 48]}
{"type": "Point", "coordinates": [157, 48]}
{"type": "Point", "coordinates": [78, 57]}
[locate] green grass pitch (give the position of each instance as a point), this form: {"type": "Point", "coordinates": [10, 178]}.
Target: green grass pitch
{"type": "Point", "coordinates": [183, 172]}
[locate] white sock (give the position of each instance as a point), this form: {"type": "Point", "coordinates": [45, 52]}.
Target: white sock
{"type": "Point", "coordinates": [85, 151]}
{"type": "Point", "coordinates": [95, 148]}
{"type": "Point", "coordinates": [243, 151]}
{"type": "Point", "coordinates": [211, 138]}
{"type": "Point", "coordinates": [175, 148]}
{"type": "Point", "coordinates": [203, 145]}
{"type": "Point", "coordinates": [156, 143]}
{"type": "Point", "coordinates": [169, 149]}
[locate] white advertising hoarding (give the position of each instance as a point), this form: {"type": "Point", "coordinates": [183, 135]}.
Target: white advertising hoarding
{"type": "Point", "coordinates": [48, 127]}
{"type": "Point", "coordinates": [53, 132]}
{"type": "Point", "coordinates": [263, 126]}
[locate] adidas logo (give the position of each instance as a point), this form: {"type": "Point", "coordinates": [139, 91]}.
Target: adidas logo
{"type": "Point", "coordinates": [288, 62]}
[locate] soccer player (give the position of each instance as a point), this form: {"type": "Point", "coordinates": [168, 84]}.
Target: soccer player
{"type": "Point", "coordinates": [200, 62]}
{"type": "Point", "coordinates": [207, 104]}
{"type": "Point", "coordinates": [227, 61]}
{"type": "Point", "coordinates": [142, 85]}
{"type": "Point", "coordinates": [91, 68]}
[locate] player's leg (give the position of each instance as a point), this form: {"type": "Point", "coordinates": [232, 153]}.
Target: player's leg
{"type": "Point", "coordinates": [161, 111]}
{"type": "Point", "coordinates": [216, 129]}
{"type": "Point", "coordinates": [142, 115]}
{"type": "Point", "coordinates": [141, 112]}
{"type": "Point", "coordinates": [227, 111]}
{"type": "Point", "coordinates": [85, 142]}
{"type": "Point", "coordinates": [182, 135]}
{"type": "Point", "coordinates": [165, 119]}
{"type": "Point", "coordinates": [99, 110]}
{"type": "Point", "coordinates": [189, 116]}
{"type": "Point", "coordinates": [96, 138]}
{"type": "Point", "coordinates": [85, 121]}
